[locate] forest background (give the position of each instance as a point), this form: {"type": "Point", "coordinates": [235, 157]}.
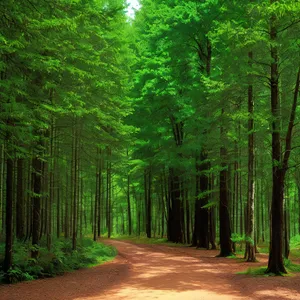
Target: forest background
{"type": "Point", "coordinates": [180, 123]}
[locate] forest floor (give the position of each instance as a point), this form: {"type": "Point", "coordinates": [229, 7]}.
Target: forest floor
{"type": "Point", "coordinates": [159, 272]}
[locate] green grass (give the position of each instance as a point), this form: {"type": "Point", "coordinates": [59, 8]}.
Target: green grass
{"type": "Point", "coordinates": [263, 249]}
{"type": "Point", "coordinates": [59, 260]}
{"type": "Point", "coordinates": [144, 240]}
{"type": "Point", "coordinates": [291, 267]}
{"type": "Point", "coordinates": [254, 271]}
{"type": "Point", "coordinates": [260, 271]}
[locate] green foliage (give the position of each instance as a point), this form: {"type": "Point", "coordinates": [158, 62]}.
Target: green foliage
{"type": "Point", "coordinates": [240, 239]}
{"type": "Point", "coordinates": [211, 203]}
{"type": "Point", "coordinates": [15, 275]}
{"type": "Point", "coordinates": [263, 249]}
{"type": "Point", "coordinates": [59, 260]}
{"type": "Point", "coordinates": [295, 242]}
{"type": "Point", "coordinates": [291, 267]}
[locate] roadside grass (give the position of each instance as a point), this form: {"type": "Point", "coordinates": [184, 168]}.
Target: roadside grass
{"type": "Point", "coordinates": [59, 260]}
{"type": "Point", "coordinates": [290, 266]}
{"type": "Point", "coordinates": [148, 241]}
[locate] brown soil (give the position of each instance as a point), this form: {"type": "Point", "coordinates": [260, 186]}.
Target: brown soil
{"type": "Point", "coordinates": [159, 272]}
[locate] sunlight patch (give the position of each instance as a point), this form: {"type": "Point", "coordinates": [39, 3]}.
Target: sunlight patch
{"type": "Point", "coordinates": [280, 294]}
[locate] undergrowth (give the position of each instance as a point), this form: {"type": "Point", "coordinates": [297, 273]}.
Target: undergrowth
{"type": "Point", "coordinates": [144, 240]}
{"type": "Point", "coordinates": [59, 260]}
{"type": "Point", "coordinates": [260, 271]}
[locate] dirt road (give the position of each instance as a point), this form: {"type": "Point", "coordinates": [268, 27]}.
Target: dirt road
{"type": "Point", "coordinates": [144, 272]}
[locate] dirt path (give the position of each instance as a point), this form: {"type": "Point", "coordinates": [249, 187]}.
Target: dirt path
{"type": "Point", "coordinates": [158, 272]}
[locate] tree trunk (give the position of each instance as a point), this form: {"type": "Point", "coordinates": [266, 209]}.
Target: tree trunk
{"type": "Point", "coordinates": [149, 206]}
{"type": "Point", "coordinates": [7, 264]}
{"type": "Point", "coordinates": [176, 232]}
{"type": "Point", "coordinates": [36, 207]}
{"type": "Point", "coordinates": [58, 212]}
{"type": "Point", "coordinates": [99, 196]}
{"type": "Point", "coordinates": [128, 206]}
{"type": "Point", "coordinates": [96, 205]}
{"type": "Point", "coordinates": [286, 233]}
{"type": "Point", "coordinates": [197, 209]}
{"type": "Point", "coordinates": [2, 158]}
{"type": "Point", "coordinates": [66, 227]}
{"type": "Point", "coordinates": [275, 264]}
{"type": "Point", "coordinates": [250, 243]}
{"type": "Point", "coordinates": [20, 200]}
{"type": "Point", "coordinates": [75, 188]}
{"type": "Point", "coordinates": [204, 188]}
{"type": "Point", "coordinates": [109, 194]}
{"type": "Point", "coordinates": [225, 231]}
{"type": "Point", "coordinates": [187, 215]}
{"type": "Point", "coordinates": [298, 189]}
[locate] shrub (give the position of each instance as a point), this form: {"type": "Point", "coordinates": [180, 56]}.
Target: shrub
{"type": "Point", "coordinates": [59, 260]}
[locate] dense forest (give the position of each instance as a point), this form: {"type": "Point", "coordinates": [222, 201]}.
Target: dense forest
{"type": "Point", "coordinates": [180, 123]}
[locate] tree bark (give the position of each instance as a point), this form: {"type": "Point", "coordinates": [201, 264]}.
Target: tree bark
{"type": "Point", "coordinates": [36, 207]}
{"type": "Point", "coordinates": [129, 206]}
{"type": "Point", "coordinates": [250, 243]}
{"type": "Point", "coordinates": [275, 264]}
{"type": "Point", "coordinates": [225, 230]}
{"type": "Point", "coordinates": [149, 206]}
{"type": "Point", "coordinates": [99, 195]}
{"type": "Point", "coordinates": [7, 264]}
{"type": "Point", "coordinates": [2, 158]}
{"type": "Point", "coordinates": [75, 187]}
{"type": "Point", "coordinates": [20, 200]}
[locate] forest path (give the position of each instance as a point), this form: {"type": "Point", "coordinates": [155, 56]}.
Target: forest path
{"type": "Point", "coordinates": [159, 272]}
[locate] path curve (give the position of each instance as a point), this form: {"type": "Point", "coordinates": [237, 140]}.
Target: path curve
{"type": "Point", "coordinates": [158, 272]}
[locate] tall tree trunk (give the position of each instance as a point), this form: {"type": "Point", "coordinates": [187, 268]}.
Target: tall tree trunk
{"type": "Point", "coordinates": [212, 218]}
{"type": "Point", "coordinates": [298, 189]}
{"type": "Point", "coordinates": [201, 226]}
{"type": "Point", "coordinates": [67, 222]}
{"type": "Point", "coordinates": [20, 200]}
{"type": "Point", "coordinates": [50, 199]}
{"type": "Point", "coordinates": [197, 209]}
{"type": "Point", "coordinates": [176, 212]}
{"type": "Point", "coordinates": [176, 232]}
{"type": "Point", "coordinates": [81, 207]}
{"type": "Point", "coordinates": [276, 264]}
{"type": "Point", "coordinates": [2, 159]}
{"type": "Point", "coordinates": [286, 232]}
{"type": "Point", "coordinates": [204, 188]}
{"type": "Point", "coordinates": [225, 230]}
{"type": "Point", "coordinates": [187, 215]}
{"type": "Point", "coordinates": [109, 193]}
{"type": "Point", "coordinates": [7, 264]}
{"type": "Point", "coordinates": [28, 203]}
{"type": "Point", "coordinates": [128, 206]}
{"type": "Point", "coordinates": [139, 216]}
{"type": "Point", "coordinates": [99, 196]}
{"type": "Point", "coordinates": [280, 165]}
{"type": "Point", "coordinates": [75, 187]}
{"type": "Point", "coordinates": [96, 204]}
{"type": "Point", "coordinates": [58, 212]}
{"type": "Point", "coordinates": [36, 207]}
{"type": "Point", "coordinates": [250, 243]}
{"type": "Point", "coordinates": [149, 205]}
